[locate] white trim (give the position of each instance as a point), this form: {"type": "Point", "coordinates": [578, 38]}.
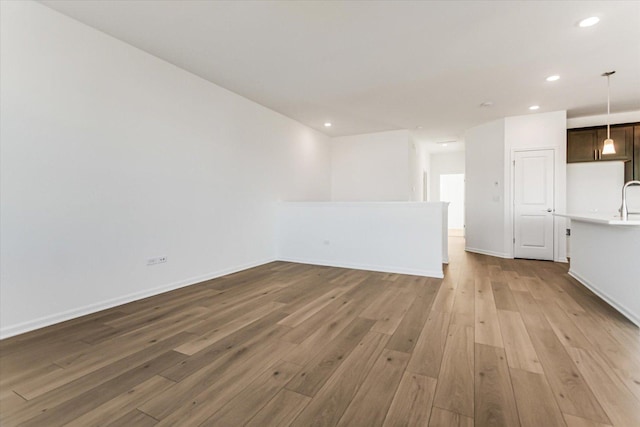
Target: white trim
{"type": "Point", "coordinates": [563, 260]}
{"type": "Point", "coordinates": [380, 268]}
{"type": "Point", "coordinates": [42, 322]}
{"type": "Point", "coordinates": [490, 253]}
{"type": "Point", "coordinates": [619, 307]}
{"type": "Point", "coordinates": [341, 204]}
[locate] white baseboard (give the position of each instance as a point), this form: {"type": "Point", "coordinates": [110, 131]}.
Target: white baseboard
{"type": "Point", "coordinates": [12, 330]}
{"type": "Point", "coordinates": [490, 253]}
{"type": "Point", "coordinates": [619, 307]}
{"type": "Point", "coordinates": [380, 268]}
{"type": "Point", "coordinates": [502, 255]}
{"type": "Point", "coordinates": [9, 331]}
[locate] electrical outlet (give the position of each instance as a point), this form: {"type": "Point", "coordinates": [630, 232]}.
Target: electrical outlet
{"type": "Point", "coordinates": [157, 260]}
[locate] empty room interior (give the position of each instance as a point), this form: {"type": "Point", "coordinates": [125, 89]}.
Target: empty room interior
{"type": "Point", "coordinates": [319, 213]}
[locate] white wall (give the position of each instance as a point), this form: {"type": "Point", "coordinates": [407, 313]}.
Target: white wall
{"type": "Point", "coordinates": [110, 156]}
{"type": "Point", "coordinates": [424, 166]}
{"type": "Point", "coordinates": [594, 187]}
{"type": "Point", "coordinates": [597, 187]}
{"type": "Point", "coordinates": [405, 237]}
{"type": "Point", "coordinates": [633, 199]}
{"type": "Point", "coordinates": [427, 169]}
{"type": "Point", "coordinates": [415, 171]}
{"type": "Point", "coordinates": [371, 167]}
{"type": "Point", "coordinates": [538, 131]}
{"type": "Point", "coordinates": [601, 119]}
{"type": "Point", "coordinates": [489, 152]}
{"type": "Point", "coordinates": [484, 190]}
{"type": "Point", "coordinates": [444, 163]}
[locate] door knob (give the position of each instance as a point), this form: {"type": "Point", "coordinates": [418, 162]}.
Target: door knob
{"type": "Point", "coordinates": [549, 210]}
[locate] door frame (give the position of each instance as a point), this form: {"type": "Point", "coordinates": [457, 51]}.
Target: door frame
{"type": "Point", "coordinates": [510, 207]}
{"type": "Point", "coordinates": [425, 186]}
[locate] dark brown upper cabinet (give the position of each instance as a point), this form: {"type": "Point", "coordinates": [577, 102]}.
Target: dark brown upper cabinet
{"type": "Point", "coordinates": [585, 145]}
{"type": "Point", "coordinates": [622, 140]}
{"type": "Point", "coordinates": [636, 152]}
{"type": "Point", "coordinates": [582, 145]}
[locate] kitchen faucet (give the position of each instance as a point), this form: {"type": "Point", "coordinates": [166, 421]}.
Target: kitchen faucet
{"type": "Point", "coordinates": [624, 211]}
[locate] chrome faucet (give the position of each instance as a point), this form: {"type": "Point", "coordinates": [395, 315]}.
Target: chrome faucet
{"type": "Point", "coordinates": [624, 211]}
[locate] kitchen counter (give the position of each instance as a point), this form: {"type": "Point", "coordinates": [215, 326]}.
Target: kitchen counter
{"type": "Point", "coordinates": [605, 257]}
{"type": "Point", "coordinates": [602, 218]}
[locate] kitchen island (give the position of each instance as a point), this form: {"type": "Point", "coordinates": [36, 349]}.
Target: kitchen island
{"type": "Point", "coordinates": [605, 257]}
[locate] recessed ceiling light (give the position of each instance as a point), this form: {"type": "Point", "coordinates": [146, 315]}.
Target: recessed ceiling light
{"type": "Point", "coordinates": [418, 127]}
{"type": "Point", "coordinates": [444, 143]}
{"type": "Point", "coordinates": [588, 22]}
{"type": "Point", "coordinates": [327, 124]}
{"type": "Point", "coordinates": [534, 107]}
{"type": "Point", "coordinates": [553, 78]}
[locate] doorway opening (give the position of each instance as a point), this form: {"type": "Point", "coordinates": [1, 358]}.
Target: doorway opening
{"type": "Point", "coordinates": [452, 191]}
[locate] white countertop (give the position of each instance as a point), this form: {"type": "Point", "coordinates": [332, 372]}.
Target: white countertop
{"type": "Point", "coordinates": [602, 218]}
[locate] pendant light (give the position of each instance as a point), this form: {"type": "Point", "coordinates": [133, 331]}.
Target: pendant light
{"type": "Point", "coordinates": [608, 147]}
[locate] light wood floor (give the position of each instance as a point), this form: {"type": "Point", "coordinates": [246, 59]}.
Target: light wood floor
{"type": "Point", "coordinates": [497, 342]}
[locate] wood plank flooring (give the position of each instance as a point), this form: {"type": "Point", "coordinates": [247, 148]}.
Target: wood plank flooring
{"type": "Point", "coordinates": [495, 343]}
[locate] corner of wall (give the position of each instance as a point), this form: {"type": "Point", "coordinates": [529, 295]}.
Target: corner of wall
{"type": "Point", "coordinates": [537, 131]}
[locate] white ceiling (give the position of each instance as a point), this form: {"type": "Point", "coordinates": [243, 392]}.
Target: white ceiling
{"type": "Point", "coordinates": [375, 66]}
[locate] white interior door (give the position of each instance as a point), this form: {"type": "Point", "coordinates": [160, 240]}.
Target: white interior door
{"type": "Point", "coordinates": [533, 204]}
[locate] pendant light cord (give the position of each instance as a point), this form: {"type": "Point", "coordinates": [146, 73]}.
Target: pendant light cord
{"type": "Point", "coordinates": [608, 106]}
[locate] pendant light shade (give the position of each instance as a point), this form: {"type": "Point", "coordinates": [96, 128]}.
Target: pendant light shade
{"type": "Point", "coordinates": [608, 147]}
